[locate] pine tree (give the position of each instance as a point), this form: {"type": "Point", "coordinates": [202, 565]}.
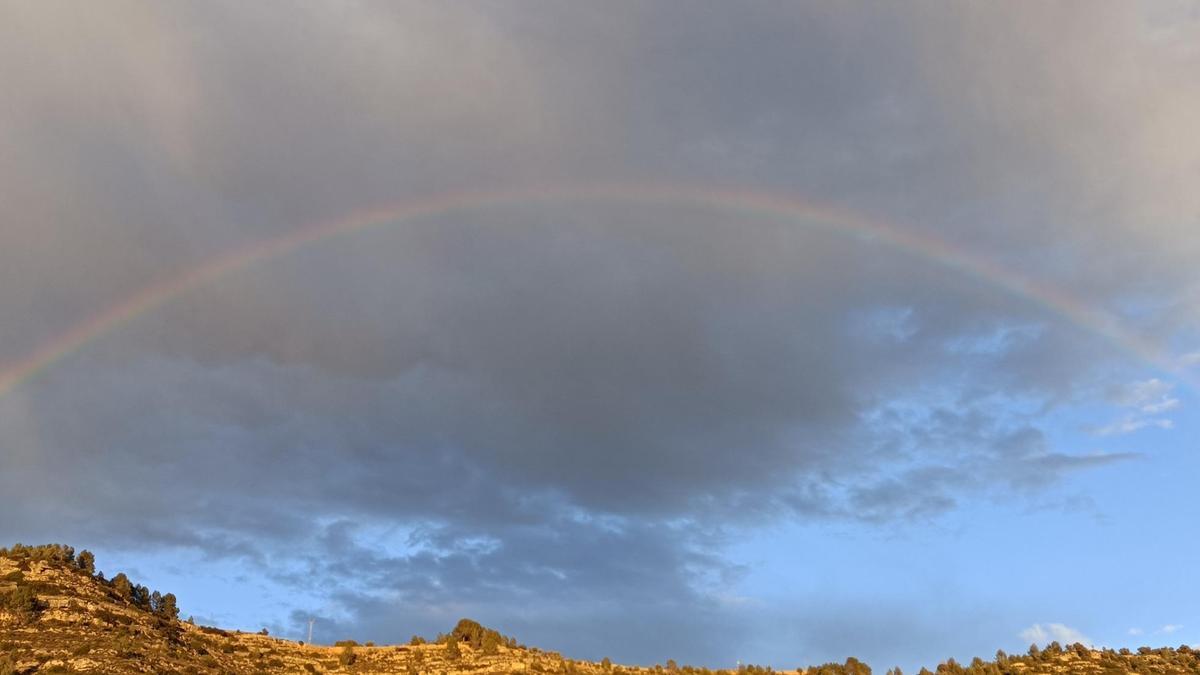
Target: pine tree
{"type": "Point", "coordinates": [86, 561]}
{"type": "Point", "coordinates": [122, 586]}
{"type": "Point", "coordinates": [167, 607]}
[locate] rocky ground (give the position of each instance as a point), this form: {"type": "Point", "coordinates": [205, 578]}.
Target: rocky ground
{"type": "Point", "coordinates": [82, 625]}
{"type": "Point", "coordinates": [56, 616]}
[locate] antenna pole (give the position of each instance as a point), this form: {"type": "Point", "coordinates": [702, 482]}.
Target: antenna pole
{"type": "Point", "coordinates": [310, 623]}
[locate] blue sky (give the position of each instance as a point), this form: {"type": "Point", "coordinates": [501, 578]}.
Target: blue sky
{"type": "Point", "coordinates": [643, 429]}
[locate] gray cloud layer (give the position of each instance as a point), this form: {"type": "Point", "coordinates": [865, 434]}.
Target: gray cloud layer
{"type": "Point", "coordinates": [570, 407]}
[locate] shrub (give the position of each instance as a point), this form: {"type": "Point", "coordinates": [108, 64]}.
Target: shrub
{"type": "Point", "coordinates": [476, 635]}
{"type": "Point", "coordinates": [23, 602]}
{"type": "Point", "coordinates": [491, 643]}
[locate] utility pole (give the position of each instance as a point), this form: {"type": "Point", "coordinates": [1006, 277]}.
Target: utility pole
{"type": "Point", "coordinates": [310, 623]}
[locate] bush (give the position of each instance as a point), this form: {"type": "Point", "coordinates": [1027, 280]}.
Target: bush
{"type": "Point", "coordinates": [491, 643]}
{"type": "Point", "coordinates": [476, 635]}
{"type": "Point", "coordinates": [347, 657]}
{"type": "Point", "coordinates": [47, 552]}
{"type": "Point", "coordinates": [23, 602]}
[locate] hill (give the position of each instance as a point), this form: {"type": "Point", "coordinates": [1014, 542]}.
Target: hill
{"type": "Point", "coordinates": [58, 615]}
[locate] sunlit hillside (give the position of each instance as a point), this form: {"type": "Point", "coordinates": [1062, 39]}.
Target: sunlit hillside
{"type": "Point", "coordinates": [58, 615]}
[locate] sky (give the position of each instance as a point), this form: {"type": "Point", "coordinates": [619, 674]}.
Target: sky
{"type": "Point", "coordinates": [769, 332]}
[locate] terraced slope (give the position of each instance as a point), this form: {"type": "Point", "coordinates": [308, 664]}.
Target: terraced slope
{"type": "Point", "coordinates": [58, 616]}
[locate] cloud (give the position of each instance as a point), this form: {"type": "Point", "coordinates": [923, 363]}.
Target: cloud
{"type": "Point", "coordinates": [1147, 399]}
{"type": "Point", "coordinates": [1053, 632]}
{"type": "Point", "coordinates": [1170, 628]}
{"type": "Point", "coordinates": [1129, 425]}
{"type": "Point", "coordinates": [1151, 396]}
{"type": "Point", "coordinates": [1136, 631]}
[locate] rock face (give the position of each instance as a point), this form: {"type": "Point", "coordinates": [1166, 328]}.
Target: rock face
{"type": "Point", "coordinates": [57, 617]}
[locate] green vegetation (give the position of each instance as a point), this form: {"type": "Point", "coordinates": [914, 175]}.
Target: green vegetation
{"type": "Point", "coordinates": [1079, 658]}
{"type": "Point", "coordinates": [56, 553]}
{"type": "Point", "coordinates": [852, 666]}
{"type": "Point", "coordinates": [22, 602]}
{"type": "Point", "coordinates": [159, 604]}
{"type": "Point", "coordinates": [453, 653]}
{"type": "Point", "coordinates": [479, 637]}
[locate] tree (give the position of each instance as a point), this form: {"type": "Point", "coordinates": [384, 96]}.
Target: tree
{"type": "Point", "coordinates": [167, 608]}
{"type": "Point", "coordinates": [86, 561]}
{"type": "Point", "coordinates": [950, 667]}
{"type": "Point", "coordinates": [453, 653]}
{"type": "Point", "coordinates": [347, 657]}
{"type": "Point", "coordinates": [855, 667]}
{"type": "Point", "coordinates": [122, 586]}
{"type": "Point", "coordinates": [141, 596]}
{"type": "Point", "coordinates": [416, 640]}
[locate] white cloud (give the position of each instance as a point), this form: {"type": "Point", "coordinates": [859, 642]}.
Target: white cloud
{"type": "Point", "coordinates": [1053, 632]}
{"type": "Point", "coordinates": [1190, 359]}
{"type": "Point", "coordinates": [1136, 631]}
{"type": "Point", "coordinates": [1147, 400]}
{"type": "Point", "coordinates": [1129, 425]}
{"type": "Point", "coordinates": [1170, 628]}
{"type": "Point", "coordinates": [1149, 396]}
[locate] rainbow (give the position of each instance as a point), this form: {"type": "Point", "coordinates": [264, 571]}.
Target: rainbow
{"type": "Point", "coordinates": [740, 201]}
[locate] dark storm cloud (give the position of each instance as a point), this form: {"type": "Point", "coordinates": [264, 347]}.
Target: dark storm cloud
{"type": "Point", "coordinates": [570, 407]}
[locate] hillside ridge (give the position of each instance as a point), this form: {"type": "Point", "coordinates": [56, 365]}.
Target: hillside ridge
{"type": "Point", "coordinates": [59, 615]}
